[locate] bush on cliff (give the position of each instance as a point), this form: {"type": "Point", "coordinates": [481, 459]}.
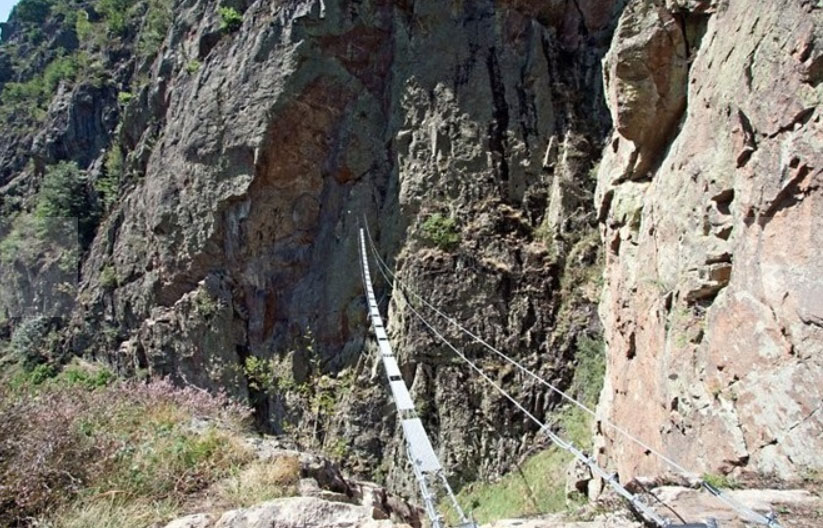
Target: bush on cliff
{"type": "Point", "coordinates": [230, 19]}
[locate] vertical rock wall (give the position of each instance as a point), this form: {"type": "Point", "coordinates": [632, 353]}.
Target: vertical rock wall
{"type": "Point", "coordinates": [237, 238]}
{"type": "Point", "coordinates": [710, 207]}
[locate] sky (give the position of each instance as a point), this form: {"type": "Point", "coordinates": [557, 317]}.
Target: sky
{"type": "Point", "coordinates": [5, 9]}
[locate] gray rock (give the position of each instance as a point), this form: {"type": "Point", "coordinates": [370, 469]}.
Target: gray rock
{"type": "Point", "coordinates": [302, 512]}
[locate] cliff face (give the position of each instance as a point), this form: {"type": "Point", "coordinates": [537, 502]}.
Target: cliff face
{"type": "Point", "coordinates": [710, 206]}
{"type": "Point", "coordinates": [226, 159]}
{"type": "Point", "coordinates": [462, 132]}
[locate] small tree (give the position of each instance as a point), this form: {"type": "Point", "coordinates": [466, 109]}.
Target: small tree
{"type": "Point", "coordinates": [63, 194]}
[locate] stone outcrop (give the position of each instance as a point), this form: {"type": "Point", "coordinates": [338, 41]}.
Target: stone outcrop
{"type": "Point", "coordinates": [227, 256]}
{"type": "Point", "coordinates": [291, 512]}
{"type": "Point", "coordinates": [710, 206]}
{"type": "Point", "coordinates": [251, 157]}
{"type": "Point", "coordinates": [323, 496]}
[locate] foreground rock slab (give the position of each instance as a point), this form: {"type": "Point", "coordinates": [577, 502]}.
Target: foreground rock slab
{"type": "Point", "coordinates": [796, 508]}
{"type": "Point", "coordinates": [557, 521]}
{"type": "Point", "coordinates": [292, 512]}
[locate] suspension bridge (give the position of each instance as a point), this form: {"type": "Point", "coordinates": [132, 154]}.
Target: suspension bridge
{"type": "Point", "coordinates": [428, 471]}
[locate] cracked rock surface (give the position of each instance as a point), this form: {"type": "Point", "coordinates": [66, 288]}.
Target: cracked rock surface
{"type": "Point", "coordinates": [710, 204]}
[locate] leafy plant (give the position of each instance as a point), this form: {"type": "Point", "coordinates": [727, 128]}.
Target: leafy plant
{"type": "Point", "coordinates": [720, 481]}
{"type": "Point", "coordinates": [109, 184]}
{"type": "Point", "coordinates": [86, 375]}
{"type": "Point", "coordinates": [230, 19]}
{"type": "Point", "coordinates": [108, 277]}
{"type": "Point", "coordinates": [193, 66]}
{"type": "Point", "coordinates": [33, 11]}
{"type": "Point", "coordinates": [29, 99]}
{"type": "Point", "coordinates": [158, 18]}
{"type": "Point", "coordinates": [441, 231]}
{"type": "Point", "coordinates": [115, 13]}
{"type": "Point", "coordinates": [124, 97]}
{"type": "Point", "coordinates": [27, 340]}
{"type": "Point", "coordinates": [261, 373]}
{"type": "Point", "coordinates": [63, 194]}
{"type": "Point", "coordinates": [83, 27]}
{"type": "Point", "coordinates": [206, 305]}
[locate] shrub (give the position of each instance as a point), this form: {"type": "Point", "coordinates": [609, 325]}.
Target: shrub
{"type": "Point", "coordinates": [114, 13]}
{"type": "Point", "coordinates": [83, 28]}
{"type": "Point", "coordinates": [62, 195]}
{"type": "Point", "coordinates": [124, 97]}
{"type": "Point", "coordinates": [86, 375]}
{"type": "Point", "coordinates": [720, 481]}
{"type": "Point", "coordinates": [29, 99]}
{"type": "Point", "coordinates": [33, 11]}
{"type": "Point", "coordinates": [230, 19]}
{"type": "Point", "coordinates": [108, 185]}
{"type": "Point", "coordinates": [41, 373]}
{"type": "Point", "coordinates": [67, 451]}
{"type": "Point", "coordinates": [108, 278]}
{"type": "Point", "coordinates": [157, 20]}
{"type": "Point", "coordinates": [441, 231]}
{"type": "Point", "coordinates": [193, 66]}
{"type": "Point", "coordinates": [28, 339]}
{"type": "Point", "coordinates": [206, 305]}
{"type": "Point", "coordinates": [261, 374]}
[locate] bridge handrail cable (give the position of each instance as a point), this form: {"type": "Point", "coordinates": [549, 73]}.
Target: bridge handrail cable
{"type": "Point", "coordinates": [746, 512]}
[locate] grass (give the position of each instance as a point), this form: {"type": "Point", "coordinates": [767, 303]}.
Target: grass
{"type": "Point", "coordinates": [539, 484]}
{"type": "Point", "coordinates": [260, 481]}
{"type": "Point", "coordinates": [80, 448]}
{"type": "Point", "coordinates": [720, 481]}
{"type": "Point", "coordinates": [536, 487]}
{"type": "Point", "coordinates": [113, 512]}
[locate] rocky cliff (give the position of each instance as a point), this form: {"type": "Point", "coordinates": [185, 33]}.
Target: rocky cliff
{"type": "Point", "coordinates": [230, 164]}
{"type": "Point", "coordinates": [710, 208]}
{"type": "Point", "coordinates": [222, 157]}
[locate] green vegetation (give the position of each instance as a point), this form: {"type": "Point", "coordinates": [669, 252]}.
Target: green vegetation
{"type": "Point", "coordinates": [108, 278]}
{"type": "Point", "coordinates": [64, 194]}
{"type": "Point", "coordinates": [261, 481]}
{"type": "Point", "coordinates": [31, 98]}
{"type": "Point", "coordinates": [441, 231]}
{"type": "Point", "coordinates": [81, 449]}
{"type": "Point", "coordinates": [25, 103]}
{"type": "Point", "coordinates": [115, 13]}
{"type": "Point", "coordinates": [720, 481]}
{"type": "Point", "coordinates": [124, 97]}
{"type": "Point", "coordinates": [193, 66]}
{"type": "Point", "coordinates": [538, 485]}
{"type": "Point", "coordinates": [587, 382]}
{"type": "Point", "coordinates": [158, 18]}
{"type": "Point", "coordinates": [535, 487]}
{"type": "Point", "coordinates": [31, 335]}
{"type": "Point", "coordinates": [261, 374]}
{"type": "Point", "coordinates": [33, 11]}
{"type": "Point", "coordinates": [108, 185]}
{"type": "Point", "coordinates": [206, 305]}
{"type": "Point", "coordinates": [83, 28]}
{"type": "Point", "coordinates": [230, 19]}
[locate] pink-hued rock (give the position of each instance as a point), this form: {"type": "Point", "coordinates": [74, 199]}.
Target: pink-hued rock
{"type": "Point", "coordinates": [711, 216]}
